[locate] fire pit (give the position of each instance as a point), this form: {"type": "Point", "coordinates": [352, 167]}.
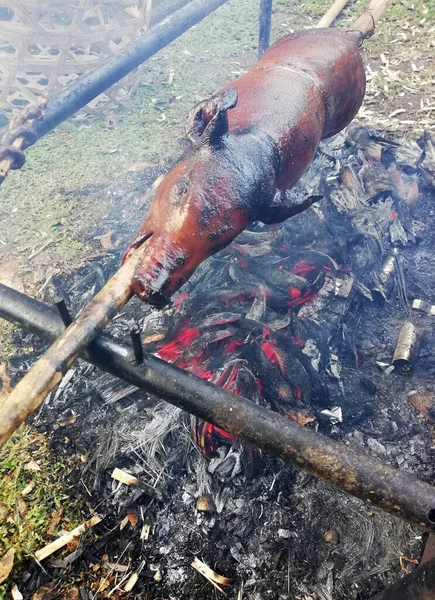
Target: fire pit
{"type": "Point", "coordinates": [326, 320]}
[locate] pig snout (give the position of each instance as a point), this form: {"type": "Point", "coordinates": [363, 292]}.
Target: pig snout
{"type": "Point", "coordinates": [161, 271]}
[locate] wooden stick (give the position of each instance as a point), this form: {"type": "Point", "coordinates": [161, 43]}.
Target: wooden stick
{"type": "Point", "coordinates": [367, 21]}
{"type": "Point", "coordinates": [124, 477]}
{"type": "Point", "coordinates": [5, 165]}
{"type": "Point", "coordinates": [63, 540]}
{"type": "Point", "coordinates": [332, 13]}
{"type": "Point", "coordinates": [29, 393]}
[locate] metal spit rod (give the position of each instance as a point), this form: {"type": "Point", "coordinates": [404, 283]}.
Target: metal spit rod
{"type": "Point", "coordinates": [396, 492]}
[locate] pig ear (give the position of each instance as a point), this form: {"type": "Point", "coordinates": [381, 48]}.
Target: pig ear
{"type": "Point", "coordinates": [208, 121]}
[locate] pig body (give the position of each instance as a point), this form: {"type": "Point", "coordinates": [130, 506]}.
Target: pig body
{"type": "Point", "coordinates": [249, 144]}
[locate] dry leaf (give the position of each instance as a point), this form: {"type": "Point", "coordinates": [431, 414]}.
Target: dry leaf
{"type": "Point", "coordinates": [3, 512]}
{"type": "Point", "coordinates": [68, 421]}
{"type": "Point", "coordinates": [46, 592]}
{"type": "Point", "coordinates": [109, 240]}
{"type": "Point", "coordinates": [132, 517]}
{"type": "Point", "coordinates": [21, 505]}
{"type": "Point", "coordinates": [6, 564]}
{"type": "Point", "coordinates": [211, 576]}
{"type": "Point", "coordinates": [72, 545]}
{"type": "Point", "coordinates": [205, 504]}
{"type": "Point", "coordinates": [29, 488]}
{"type": "Point", "coordinates": [423, 403]}
{"type": "Point", "coordinates": [71, 593]}
{"type": "Point", "coordinates": [302, 417]}
{"type": "Point", "coordinates": [32, 466]}
{"type": "Point", "coordinates": [56, 516]}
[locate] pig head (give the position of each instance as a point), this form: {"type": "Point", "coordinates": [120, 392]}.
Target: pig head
{"type": "Point", "coordinates": [212, 193]}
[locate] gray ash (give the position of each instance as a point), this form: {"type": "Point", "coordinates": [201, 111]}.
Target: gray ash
{"type": "Point", "coordinates": [284, 316]}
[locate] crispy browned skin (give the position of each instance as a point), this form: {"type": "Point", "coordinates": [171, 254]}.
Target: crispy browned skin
{"type": "Point", "coordinates": [249, 144]}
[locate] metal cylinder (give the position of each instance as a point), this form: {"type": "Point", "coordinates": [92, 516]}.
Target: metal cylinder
{"type": "Point", "coordinates": [265, 24]}
{"type": "Point", "coordinates": [396, 492]}
{"type": "Point", "coordinates": [407, 348]}
{"type": "Point", "coordinates": [383, 289]}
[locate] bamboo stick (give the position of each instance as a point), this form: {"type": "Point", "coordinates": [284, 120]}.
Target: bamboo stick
{"type": "Point", "coordinates": [29, 393]}
{"type": "Point", "coordinates": [368, 19]}
{"type": "Point", "coordinates": [332, 13]}
{"type": "Point", "coordinates": [63, 540]}
{"type": "Point", "coordinates": [6, 164]}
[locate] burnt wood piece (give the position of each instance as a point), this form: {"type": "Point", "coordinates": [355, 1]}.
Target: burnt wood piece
{"type": "Point", "coordinates": [396, 492]}
{"type": "Point", "coordinates": [418, 585]}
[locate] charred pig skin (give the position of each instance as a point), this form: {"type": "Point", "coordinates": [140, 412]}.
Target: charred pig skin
{"type": "Point", "coordinates": [249, 145]}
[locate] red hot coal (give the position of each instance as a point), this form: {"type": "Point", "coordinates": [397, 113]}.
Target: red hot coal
{"type": "Point", "coordinates": [248, 146]}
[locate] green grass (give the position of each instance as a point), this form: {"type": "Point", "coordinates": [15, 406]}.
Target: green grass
{"type": "Point", "coordinates": [24, 526]}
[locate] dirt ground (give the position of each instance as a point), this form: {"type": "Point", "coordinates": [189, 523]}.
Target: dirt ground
{"type": "Point", "coordinates": [80, 198]}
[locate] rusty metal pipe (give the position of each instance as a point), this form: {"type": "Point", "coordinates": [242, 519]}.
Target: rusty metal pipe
{"type": "Point", "coordinates": [396, 492]}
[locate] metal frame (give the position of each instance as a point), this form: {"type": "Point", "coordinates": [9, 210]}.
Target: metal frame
{"type": "Point", "coordinates": [377, 483]}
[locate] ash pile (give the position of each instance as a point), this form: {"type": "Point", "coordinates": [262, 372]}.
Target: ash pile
{"type": "Point", "coordinates": [303, 318]}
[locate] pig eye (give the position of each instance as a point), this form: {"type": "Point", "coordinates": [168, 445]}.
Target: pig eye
{"type": "Point", "coordinates": [182, 187]}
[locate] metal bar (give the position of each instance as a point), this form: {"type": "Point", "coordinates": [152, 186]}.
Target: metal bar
{"type": "Point", "coordinates": [161, 10]}
{"type": "Point", "coordinates": [418, 585]}
{"type": "Point", "coordinates": [265, 23]}
{"type": "Point", "coordinates": [379, 484]}
{"type": "Point", "coordinates": [87, 87]}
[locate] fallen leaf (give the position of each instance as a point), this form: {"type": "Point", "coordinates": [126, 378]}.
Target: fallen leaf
{"type": "Point", "coordinates": [6, 564]}
{"type": "Point", "coordinates": [3, 512]}
{"type": "Point", "coordinates": [72, 545]}
{"type": "Point", "coordinates": [132, 517]}
{"type": "Point", "coordinates": [424, 403]}
{"type": "Point", "coordinates": [302, 417]}
{"type": "Point", "coordinates": [21, 505]}
{"type": "Point", "coordinates": [71, 593]}
{"type": "Point", "coordinates": [46, 592]}
{"type": "Point", "coordinates": [205, 504]}
{"type": "Point", "coordinates": [29, 488]}
{"type": "Point", "coordinates": [68, 421]}
{"type": "Point", "coordinates": [32, 466]}
{"type": "Point", "coordinates": [109, 240]}
{"type": "Point", "coordinates": [56, 516]}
